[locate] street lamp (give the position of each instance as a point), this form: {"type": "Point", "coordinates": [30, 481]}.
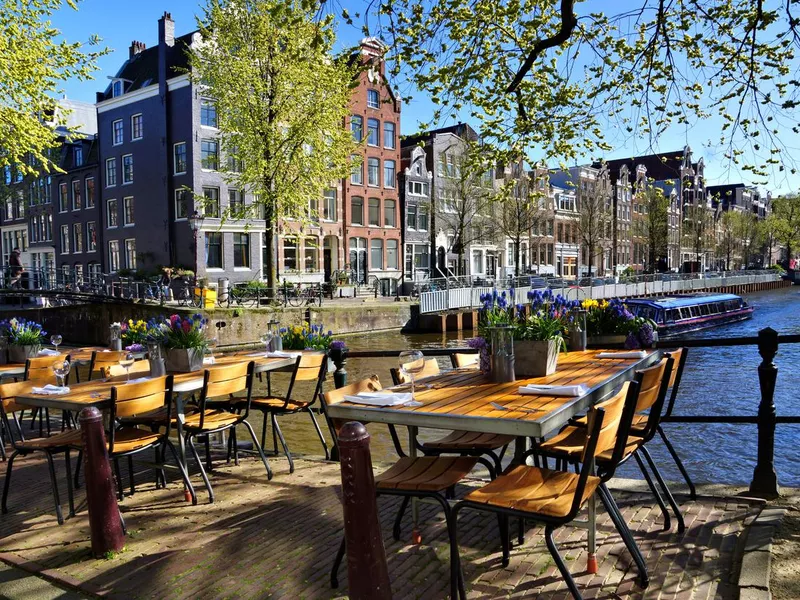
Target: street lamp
{"type": "Point", "coordinates": [195, 223]}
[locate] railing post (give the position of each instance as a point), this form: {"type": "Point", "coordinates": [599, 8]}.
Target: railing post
{"type": "Point", "coordinates": [367, 571]}
{"type": "Point", "coordinates": [765, 481]}
{"type": "Point", "coordinates": [339, 358]}
{"type": "Point", "coordinates": [105, 522]}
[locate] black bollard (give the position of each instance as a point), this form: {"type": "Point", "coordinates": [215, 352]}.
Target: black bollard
{"type": "Point", "coordinates": [104, 518]}
{"type": "Point", "coordinates": [367, 572]}
{"type": "Point", "coordinates": [765, 481]}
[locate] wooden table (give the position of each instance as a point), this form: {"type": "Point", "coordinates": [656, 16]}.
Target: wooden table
{"type": "Point", "coordinates": [461, 400]}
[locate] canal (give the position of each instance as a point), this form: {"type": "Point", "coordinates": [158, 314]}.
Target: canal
{"type": "Point", "coordinates": [721, 381]}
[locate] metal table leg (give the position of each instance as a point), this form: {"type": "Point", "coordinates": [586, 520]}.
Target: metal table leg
{"type": "Point", "coordinates": [416, 538]}
{"type": "Point", "coordinates": [180, 418]}
{"type": "Point", "coordinates": [591, 560]}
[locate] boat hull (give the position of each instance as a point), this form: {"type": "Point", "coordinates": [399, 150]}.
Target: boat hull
{"type": "Point", "coordinates": [704, 322]}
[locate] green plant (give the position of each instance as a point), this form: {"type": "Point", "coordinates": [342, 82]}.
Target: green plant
{"type": "Point", "coordinates": [305, 337]}
{"type": "Point", "coordinates": [23, 333]}
{"type": "Point", "coordinates": [179, 333]}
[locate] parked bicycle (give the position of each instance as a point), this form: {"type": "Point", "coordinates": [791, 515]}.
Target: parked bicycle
{"type": "Point", "coordinates": [296, 295]}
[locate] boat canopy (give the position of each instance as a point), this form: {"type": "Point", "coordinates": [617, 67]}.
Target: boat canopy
{"type": "Point", "coordinates": [683, 300]}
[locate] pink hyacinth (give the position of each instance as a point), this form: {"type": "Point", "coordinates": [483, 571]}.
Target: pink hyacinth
{"type": "Point", "coordinates": [186, 326]}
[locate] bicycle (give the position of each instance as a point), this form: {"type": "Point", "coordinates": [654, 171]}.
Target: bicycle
{"type": "Point", "coordinates": [296, 295]}
{"type": "Point", "coordinates": [186, 296]}
{"type": "Point", "coordinates": [154, 292]}
{"type": "Point", "coordinates": [242, 295]}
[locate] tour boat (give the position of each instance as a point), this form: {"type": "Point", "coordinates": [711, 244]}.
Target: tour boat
{"type": "Point", "coordinates": [689, 312]}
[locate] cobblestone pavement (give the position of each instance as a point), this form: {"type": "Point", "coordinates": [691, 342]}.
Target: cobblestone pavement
{"type": "Point", "coordinates": [278, 539]}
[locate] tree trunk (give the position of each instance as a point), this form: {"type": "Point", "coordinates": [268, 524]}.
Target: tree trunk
{"type": "Point", "coordinates": [270, 257]}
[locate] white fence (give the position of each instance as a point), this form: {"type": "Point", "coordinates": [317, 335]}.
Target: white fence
{"type": "Point", "coordinates": [469, 297]}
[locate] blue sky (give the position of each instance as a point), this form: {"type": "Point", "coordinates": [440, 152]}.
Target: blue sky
{"type": "Point", "coordinates": [118, 23]}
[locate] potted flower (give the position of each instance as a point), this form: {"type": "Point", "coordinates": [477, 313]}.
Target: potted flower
{"type": "Point", "coordinates": [610, 323]}
{"type": "Point", "coordinates": [183, 340]}
{"type": "Point", "coordinates": [25, 339]}
{"type": "Point", "coordinates": [306, 337]}
{"type": "Point", "coordinates": [133, 335]}
{"type": "Point", "coordinates": [541, 334]}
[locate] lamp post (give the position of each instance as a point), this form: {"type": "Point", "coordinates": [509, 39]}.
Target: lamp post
{"type": "Point", "coordinates": [195, 223]}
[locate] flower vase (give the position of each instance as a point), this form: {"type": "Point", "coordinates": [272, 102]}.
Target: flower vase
{"type": "Point", "coordinates": [536, 358]}
{"type": "Point", "coordinates": [20, 354]}
{"type": "Point", "coordinates": [183, 360]}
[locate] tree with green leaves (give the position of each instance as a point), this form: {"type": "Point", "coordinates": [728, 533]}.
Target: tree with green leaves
{"type": "Point", "coordinates": [748, 235]}
{"type": "Point", "coordinates": [34, 65]}
{"type": "Point", "coordinates": [787, 210]}
{"type": "Point", "coordinates": [769, 231]}
{"type": "Point", "coordinates": [727, 240]}
{"type": "Point", "coordinates": [595, 216]}
{"type": "Point", "coordinates": [550, 75]}
{"type": "Point", "coordinates": [282, 99]}
{"type": "Point", "coordinates": [698, 230]}
{"type": "Point", "coordinates": [653, 228]}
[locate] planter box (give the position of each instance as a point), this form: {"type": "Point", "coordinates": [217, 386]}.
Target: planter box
{"type": "Point", "coordinates": [535, 359]}
{"type": "Point", "coordinates": [20, 354]}
{"type": "Point", "coordinates": [184, 360]}
{"type": "Point", "coordinates": [605, 341]}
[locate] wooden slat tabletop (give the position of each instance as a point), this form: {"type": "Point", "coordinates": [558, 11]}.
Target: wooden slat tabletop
{"type": "Point", "coordinates": [461, 399]}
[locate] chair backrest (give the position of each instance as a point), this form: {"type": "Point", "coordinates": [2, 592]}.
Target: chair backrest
{"type": "Point", "coordinates": [679, 356]}
{"type": "Point", "coordinates": [372, 384]}
{"type": "Point", "coordinates": [462, 360]}
{"type": "Point", "coordinates": [615, 418]}
{"type": "Point", "coordinates": [9, 405]}
{"type": "Point", "coordinates": [116, 372]}
{"type": "Point", "coordinates": [226, 380]}
{"type": "Point", "coordinates": [431, 367]}
{"type": "Point", "coordinates": [653, 392]}
{"type": "Point", "coordinates": [132, 399]}
{"type": "Point", "coordinates": [309, 367]}
{"type": "Point", "coordinates": [102, 360]}
{"type": "Point", "coordinates": [40, 369]}
{"type": "Point", "coordinates": [595, 424]}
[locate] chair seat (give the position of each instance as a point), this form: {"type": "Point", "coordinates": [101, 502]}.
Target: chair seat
{"type": "Point", "coordinates": [534, 490]}
{"type": "Point", "coordinates": [469, 440]}
{"type": "Point", "coordinates": [571, 440]}
{"type": "Point", "coordinates": [66, 439]}
{"type": "Point", "coordinates": [425, 473]}
{"type": "Point", "coordinates": [128, 439]}
{"type": "Point", "coordinates": [273, 403]}
{"type": "Point", "coordinates": [213, 419]}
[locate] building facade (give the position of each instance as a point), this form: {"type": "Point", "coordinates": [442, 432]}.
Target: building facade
{"type": "Point", "coordinates": [415, 205]}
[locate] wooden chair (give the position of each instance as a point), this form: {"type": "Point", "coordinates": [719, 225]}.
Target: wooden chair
{"type": "Point", "coordinates": [462, 360]}
{"type": "Point", "coordinates": [465, 443]}
{"type": "Point", "coordinates": [39, 370]}
{"type": "Point", "coordinates": [308, 367]}
{"type": "Point", "coordinates": [224, 381]}
{"type": "Point", "coordinates": [421, 477]}
{"type": "Point", "coordinates": [49, 446]}
{"type": "Point", "coordinates": [102, 360]}
{"type": "Point", "coordinates": [548, 496]}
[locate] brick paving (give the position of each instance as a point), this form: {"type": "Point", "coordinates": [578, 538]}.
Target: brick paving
{"type": "Point", "coordinates": [277, 540]}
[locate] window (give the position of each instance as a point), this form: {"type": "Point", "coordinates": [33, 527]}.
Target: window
{"type": "Point", "coordinates": [78, 273]}
{"type": "Point", "coordinates": [417, 188]}
{"type": "Point", "coordinates": [235, 163]}
{"type": "Point", "coordinates": [136, 127]}
{"type": "Point", "coordinates": [241, 250]}
{"type": "Point", "coordinates": [329, 205]}
{"type": "Point", "coordinates": [130, 254]}
{"type": "Point", "coordinates": [357, 127]}
{"type": "Point", "coordinates": [373, 132]}
{"type": "Point", "coordinates": [91, 236]}
{"type": "Point", "coordinates": [64, 239]}
{"type": "Point", "coordinates": [179, 154]}
{"type": "Point", "coordinates": [127, 207]}
{"type": "Point", "coordinates": [311, 254]}
{"type": "Point", "coordinates": [111, 172]}
{"type": "Point", "coordinates": [422, 218]}
{"type": "Point", "coordinates": [290, 254]}
{"type": "Point", "coordinates": [421, 256]}
{"type": "Point", "coordinates": [235, 202]}
{"type": "Point", "coordinates": [373, 169]}
{"type": "Point", "coordinates": [63, 201]}
{"type": "Point", "coordinates": [477, 262]}
{"type": "Point", "coordinates": [127, 168]}
{"type": "Point", "coordinates": [111, 216]}
{"type": "Point", "coordinates": [117, 136]}
{"type": "Point", "coordinates": [77, 202]}
{"type": "Point", "coordinates": [209, 154]}
{"type": "Point", "coordinates": [357, 176]}
{"type": "Point", "coordinates": [391, 254]}
{"type": "Point", "coordinates": [90, 192]}
{"type": "Point", "coordinates": [376, 254]}
{"type": "Point", "coordinates": [34, 227]}
{"type": "Point", "coordinates": [388, 173]}
{"type": "Point", "coordinates": [208, 113]}
{"type": "Point", "coordinates": [213, 250]}
{"type": "Point", "coordinates": [357, 210]}
{"type": "Point", "coordinates": [181, 204]}
{"type": "Point", "coordinates": [48, 227]}
{"type": "Point", "coordinates": [117, 89]}
{"type": "Point", "coordinates": [373, 99]}
{"type": "Point", "coordinates": [389, 136]}
{"type": "Point", "coordinates": [374, 212]}
{"type": "Point", "coordinates": [409, 260]}
{"type": "Point", "coordinates": [113, 256]}
{"type": "Point", "coordinates": [77, 237]}
{"type": "Point", "coordinates": [78, 156]}
{"type": "Point", "coordinates": [211, 204]}
{"type": "Point", "coordinates": [389, 214]}
{"type": "Point", "coordinates": [411, 216]}
{"type": "Point", "coordinates": [94, 271]}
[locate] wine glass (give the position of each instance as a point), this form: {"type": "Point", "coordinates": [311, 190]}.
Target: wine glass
{"type": "Point", "coordinates": [411, 364]}
{"type": "Point", "coordinates": [61, 370]}
{"type": "Point", "coordinates": [211, 344]}
{"type": "Point", "coordinates": [126, 362]}
{"type": "Point", "coordinates": [55, 339]}
{"type": "Point", "coordinates": [267, 339]}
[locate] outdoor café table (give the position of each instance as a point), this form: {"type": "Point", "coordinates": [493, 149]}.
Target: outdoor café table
{"type": "Point", "coordinates": [97, 393]}
{"type": "Point", "coordinates": [462, 400]}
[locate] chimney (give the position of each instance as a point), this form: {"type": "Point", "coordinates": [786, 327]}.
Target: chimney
{"type": "Point", "coordinates": [135, 48]}
{"type": "Point", "coordinates": [166, 30]}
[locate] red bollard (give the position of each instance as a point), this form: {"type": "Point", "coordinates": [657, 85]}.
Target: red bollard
{"type": "Point", "coordinates": [367, 572]}
{"type": "Point", "coordinates": [105, 522]}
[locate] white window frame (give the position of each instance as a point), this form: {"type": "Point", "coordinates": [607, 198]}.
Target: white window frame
{"type": "Point", "coordinates": [174, 158]}
{"type": "Point", "coordinates": [210, 102]}
{"type": "Point", "coordinates": [114, 141]}
{"type": "Point", "coordinates": [177, 195]}
{"type": "Point", "coordinates": [91, 246]}
{"type": "Point", "coordinates": [125, 222]}
{"type": "Point", "coordinates": [113, 243]}
{"type": "Point", "coordinates": [127, 261]}
{"type": "Point", "coordinates": [79, 228]}
{"type": "Point", "coordinates": [86, 193]}
{"type": "Point", "coordinates": [371, 91]}
{"type": "Point", "coordinates": [133, 129]}
{"type": "Point", "coordinates": [111, 161]}
{"type": "Point", "coordinates": [124, 156]}
{"type": "Point", "coordinates": [109, 213]}
{"type": "Point", "coordinates": [62, 239]}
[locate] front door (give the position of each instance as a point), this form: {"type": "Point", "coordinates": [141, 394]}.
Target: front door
{"type": "Point", "coordinates": [358, 260]}
{"type": "Point", "coordinates": [326, 263]}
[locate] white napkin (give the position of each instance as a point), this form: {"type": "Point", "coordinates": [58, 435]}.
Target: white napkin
{"type": "Point", "coordinates": [282, 354]}
{"type": "Point", "coordinates": [553, 390]}
{"type": "Point", "coordinates": [138, 380]}
{"type": "Point", "coordinates": [209, 360]}
{"type": "Point", "coordinates": [48, 352]}
{"type": "Point", "coordinates": [51, 390]}
{"type": "Point", "coordinates": [383, 399]}
{"type": "Point", "coordinates": [631, 354]}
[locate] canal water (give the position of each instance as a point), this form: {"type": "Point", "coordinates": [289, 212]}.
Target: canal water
{"type": "Point", "coordinates": [717, 381]}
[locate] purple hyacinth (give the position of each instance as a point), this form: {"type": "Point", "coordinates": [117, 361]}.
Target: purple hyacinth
{"type": "Point", "coordinates": [338, 345]}
{"type": "Point", "coordinates": [631, 341]}
{"type": "Point", "coordinates": [646, 335]}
